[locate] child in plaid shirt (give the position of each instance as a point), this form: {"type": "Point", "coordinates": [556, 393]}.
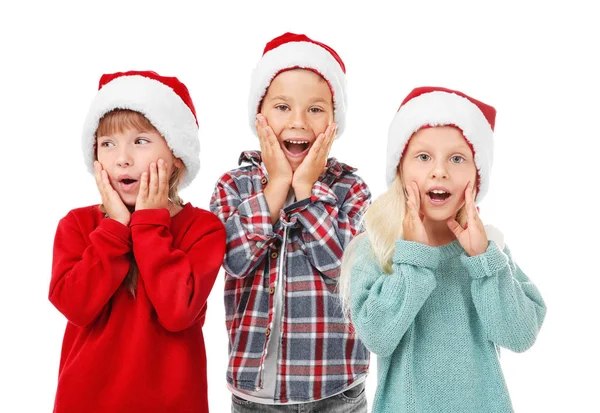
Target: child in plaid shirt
{"type": "Point", "coordinates": [289, 214]}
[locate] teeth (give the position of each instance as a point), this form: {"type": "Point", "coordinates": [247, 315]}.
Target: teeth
{"type": "Point", "coordinates": [438, 191]}
{"type": "Point", "coordinates": [298, 142]}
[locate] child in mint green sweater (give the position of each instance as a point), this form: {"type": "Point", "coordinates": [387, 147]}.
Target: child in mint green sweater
{"type": "Point", "coordinates": [430, 290]}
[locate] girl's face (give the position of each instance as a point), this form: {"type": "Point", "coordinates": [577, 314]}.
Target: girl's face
{"type": "Point", "coordinates": [441, 162]}
{"type": "Point", "coordinates": [126, 155]}
{"type": "Point", "coordinates": [298, 107]}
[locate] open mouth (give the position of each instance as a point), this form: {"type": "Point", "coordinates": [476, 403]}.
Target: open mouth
{"type": "Point", "coordinates": [128, 184]}
{"type": "Point", "coordinates": [438, 195]}
{"type": "Point", "coordinates": [296, 146]}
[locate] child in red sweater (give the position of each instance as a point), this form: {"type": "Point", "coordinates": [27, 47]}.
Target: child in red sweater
{"type": "Point", "coordinates": [132, 275]}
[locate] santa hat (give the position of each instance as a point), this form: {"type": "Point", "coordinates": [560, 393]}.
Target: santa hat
{"type": "Point", "coordinates": [164, 101]}
{"type": "Point", "coordinates": [297, 51]}
{"type": "Point", "coordinates": [437, 106]}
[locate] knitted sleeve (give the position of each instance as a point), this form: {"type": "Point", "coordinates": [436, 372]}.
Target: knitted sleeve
{"type": "Point", "coordinates": [509, 305]}
{"type": "Point", "coordinates": [178, 281]}
{"type": "Point", "coordinates": [87, 271]}
{"type": "Point", "coordinates": [384, 306]}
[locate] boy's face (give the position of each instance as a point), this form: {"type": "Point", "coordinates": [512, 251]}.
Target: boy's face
{"type": "Point", "coordinates": [126, 155]}
{"type": "Point", "coordinates": [441, 162]}
{"type": "Point", "coordinates": [298, 107]}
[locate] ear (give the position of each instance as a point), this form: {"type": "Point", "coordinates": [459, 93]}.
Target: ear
{"type": "Point", "coordinates": [178, 163]}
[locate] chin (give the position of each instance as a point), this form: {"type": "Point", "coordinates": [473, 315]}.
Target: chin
{"type": "Point", "coordinates": [440, 215]}
{"type": "Point", "coordinates": [130, 203]}
{"type": "Point", "coordinates": [295, 164]}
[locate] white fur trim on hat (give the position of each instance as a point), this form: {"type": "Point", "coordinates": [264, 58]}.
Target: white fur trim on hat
{"type": "Point", "coordinates": [302, 55]}
{"type": "Point", "coordinates": [160, 105]}
{"type": "Point", "coordinates": [438, 109]}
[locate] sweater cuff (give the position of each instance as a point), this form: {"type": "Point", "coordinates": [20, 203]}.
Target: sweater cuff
{"type": "Point", "coordinates": [487, 264]}
{"type": "Point", "coordinates": [417, 254]}
{"type": "Point", "coordinates": [115, 228]}
{"type": "Point", "coordinates": [159, 216]}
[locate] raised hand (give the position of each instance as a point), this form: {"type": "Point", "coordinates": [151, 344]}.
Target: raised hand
{"type": "Point", "coordinates": [314, 163]}
{"type": "Point", "coordinates": [472, 237]}
{"type": "Point", "coordinates": [277, 165]}
{"type": "Point", "coordinates": [111, 201]}
{"type": "Point", "coordinates": [155, 193]}
{"type": "Point", "coordinates": [412, 224]}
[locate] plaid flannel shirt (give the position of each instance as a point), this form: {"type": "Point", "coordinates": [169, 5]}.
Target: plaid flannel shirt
{"type": "Point", "coordinates": [319, 353]}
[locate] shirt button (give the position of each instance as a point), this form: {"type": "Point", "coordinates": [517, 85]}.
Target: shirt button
{"type": "Point", "coordinates": [268, 331]}
{"type": "Point", "coordinates": [263, 181]}
{"type": "Point", "coordinates": [274, 254]}
{"type": "Point", "coordinates": [271, 290]}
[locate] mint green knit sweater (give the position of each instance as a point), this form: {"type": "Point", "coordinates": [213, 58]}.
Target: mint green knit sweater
{"type": "Point", "coordinates": [435, 322]}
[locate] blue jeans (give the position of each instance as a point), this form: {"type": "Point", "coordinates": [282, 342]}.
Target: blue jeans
{"type": "Point", "coordinates": [353, 400]}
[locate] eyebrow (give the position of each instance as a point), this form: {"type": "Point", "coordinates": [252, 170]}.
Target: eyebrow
{"type": "Point", "coordinates": [320, 100]}
{"type": "Point", "coordinates": [281, 97]}
{"type": "Point", "coordinates": [288, 98]}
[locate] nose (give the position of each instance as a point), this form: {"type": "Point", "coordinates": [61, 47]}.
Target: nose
{"type": "Point", "coordinates": [297, 120]}
{"type": "Point", "coordinates": [124, 158]}
{"type": "Point", "coordinates": [439, 170]}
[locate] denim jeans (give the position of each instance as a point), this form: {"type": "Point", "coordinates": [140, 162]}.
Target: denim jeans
{"type": "Point", "coordinates": [353, 400]}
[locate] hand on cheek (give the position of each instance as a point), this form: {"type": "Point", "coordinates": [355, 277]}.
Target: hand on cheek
{"type": "Point", "coordinates": [274, 159]}
{"type": "Point", "coordinates": [154, 187]}
{"type": "Point", "coordinates": [313, 164]}
{"type": "Point", "coordinates": [111, 201]}
{"type": "Point", "coordinates": [472, 237]}
{"type": "Point", "coordinates": [412, 224]}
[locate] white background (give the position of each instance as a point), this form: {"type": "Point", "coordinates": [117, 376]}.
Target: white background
{"type": "Point", "coordinates": [535, 62]}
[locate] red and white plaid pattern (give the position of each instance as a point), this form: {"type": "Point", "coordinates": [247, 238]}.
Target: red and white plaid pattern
{"type": "Point", "coordinates": [319, 352]}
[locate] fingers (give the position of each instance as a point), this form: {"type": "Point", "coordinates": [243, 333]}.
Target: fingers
{"type": "Point", "coordinates": [163, 178]}
{"type": "Point", "coordinates": [97, 170]}
{"type": "Point", "coordinates": [413, 208]}
{"type": "Point", "coordinates": [102, 181]}
{"type": "Point", "coordinates": [322, 145]}
{"type": "Point", "coordinates": [416, 195]}
{"type": "Point", "coordinates": [330, 134]}
{"type": "Point", "coordinates": [153, 186]}
{"type": "Point", "coordinates": [143, 192]}
{"type": "Point", "coordinates": [98, 178]}
{"type": "Point", "coordinates": [317, 147]}
{"type": "Point", "coordinates": [454, 227]}
{"type": "Point", "coordinates": [106, 186]}
{"type": "Point", "coordinates": [265, 132]}
{"type": "Point", "coordinates": [469, 201]}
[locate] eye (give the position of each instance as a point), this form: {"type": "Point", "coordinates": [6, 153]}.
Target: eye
{"type": "Point", "coordinates": [457, 159]}
{"type": "Point", "coordinates": [316, 110]}
{"type": "Point", "coordinates": [282, 108]}
{"type": "Point", "coordinates": [142, 141]}
{"type": "Point", "coordinates": [106, 144]}
{"type": "Point", "coordinates": [423, 157]}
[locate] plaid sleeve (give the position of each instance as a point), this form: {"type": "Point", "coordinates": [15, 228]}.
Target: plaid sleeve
{"type": "Point", "coordinates": [326, 227]}
{"type": "Point", "coordinates": [248, 225]}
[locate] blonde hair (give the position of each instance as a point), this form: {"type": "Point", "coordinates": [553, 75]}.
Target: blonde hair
{"type": "Point", "coordinates": [383, 226]}
{"type": "Point", "coordinates": [118, 121]}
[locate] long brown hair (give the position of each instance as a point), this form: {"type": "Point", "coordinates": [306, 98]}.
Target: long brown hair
{"type": "Point", "coordinates": [118, 121]}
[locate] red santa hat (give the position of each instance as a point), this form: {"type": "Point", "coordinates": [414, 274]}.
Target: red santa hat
{"type": "Point", "coordinates": [164, 101]}
{"type": "Point", "coordinates": [437, 106]}
{"type": "Point", "coordinates": [297, 51]}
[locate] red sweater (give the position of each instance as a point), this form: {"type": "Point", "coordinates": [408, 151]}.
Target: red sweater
{"type": "Point", "coordinates": [143, 354]}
